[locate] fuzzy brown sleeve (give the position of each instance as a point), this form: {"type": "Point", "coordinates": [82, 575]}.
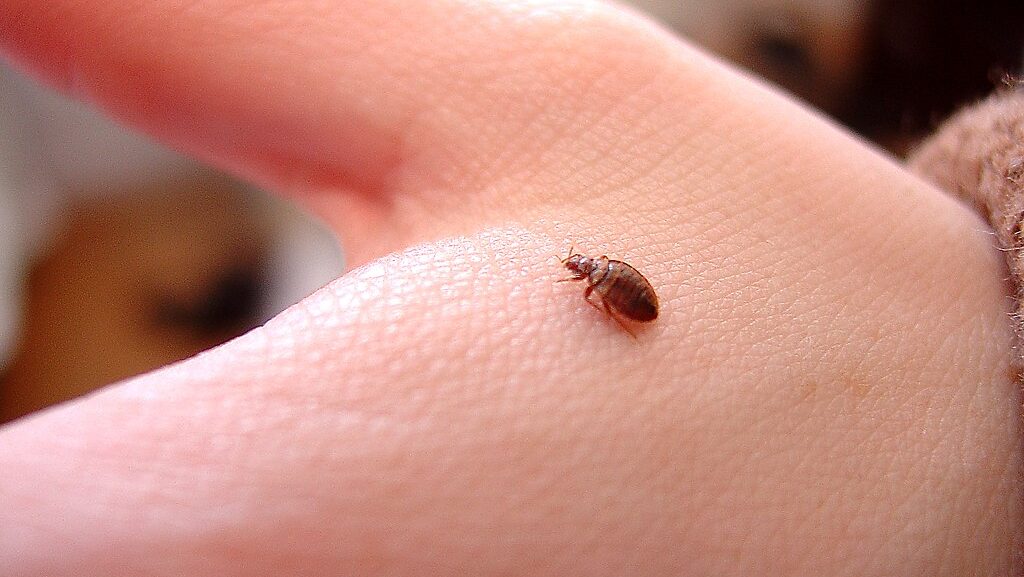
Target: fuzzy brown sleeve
{"type": "Point", "coordinates": [978, 155]}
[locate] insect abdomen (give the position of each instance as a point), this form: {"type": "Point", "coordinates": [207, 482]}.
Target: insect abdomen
{"type": "Point", "coordinates": [628, 292]}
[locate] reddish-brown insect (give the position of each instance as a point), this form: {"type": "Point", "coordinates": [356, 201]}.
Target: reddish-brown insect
{"type": "Point", "coordinates": [623, 291]}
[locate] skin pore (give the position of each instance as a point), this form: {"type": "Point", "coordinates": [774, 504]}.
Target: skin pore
{"type": "Point", "coordinates": [827, 389]}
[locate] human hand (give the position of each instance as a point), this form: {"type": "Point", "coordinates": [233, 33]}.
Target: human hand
{"type": "Point", "coordinates": [827, 391]}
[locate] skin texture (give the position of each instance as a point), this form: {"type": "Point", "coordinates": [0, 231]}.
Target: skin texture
{"type": "Point", "coordinates": [826, 392]}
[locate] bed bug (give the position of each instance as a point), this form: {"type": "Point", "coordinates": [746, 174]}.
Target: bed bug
{"type": "Point", "coordinates": [623, 291]}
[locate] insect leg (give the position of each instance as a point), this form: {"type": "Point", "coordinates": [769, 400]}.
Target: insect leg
{"type": "Point", "coordinates": [607, 310]}
{"type": "Point", "coordinates": [615, 316]}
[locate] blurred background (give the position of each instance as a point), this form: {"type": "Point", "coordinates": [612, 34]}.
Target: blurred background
{"type": "Point", "coordinates": [119, 256]}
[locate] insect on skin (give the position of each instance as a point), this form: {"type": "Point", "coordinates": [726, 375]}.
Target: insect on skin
{"type": "Point", "coordinates": [624, 292]}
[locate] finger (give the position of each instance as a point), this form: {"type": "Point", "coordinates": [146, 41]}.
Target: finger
{"type": "Point", "coordinates": [419, 417]}
{"type": "Point", "coordinates": [381, 101]}
{"type": "Point", "coordinates": [407, 121]}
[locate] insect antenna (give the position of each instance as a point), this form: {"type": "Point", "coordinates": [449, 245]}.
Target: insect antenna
{"type": "Point", "coordinates": [572, 249]}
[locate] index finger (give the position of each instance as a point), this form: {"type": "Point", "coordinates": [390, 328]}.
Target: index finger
{"type": "Point", "coordinates": [372, 100]}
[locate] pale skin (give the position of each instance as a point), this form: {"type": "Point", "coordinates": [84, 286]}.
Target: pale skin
{"type": "Point", "coordinates": [826, 392]}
